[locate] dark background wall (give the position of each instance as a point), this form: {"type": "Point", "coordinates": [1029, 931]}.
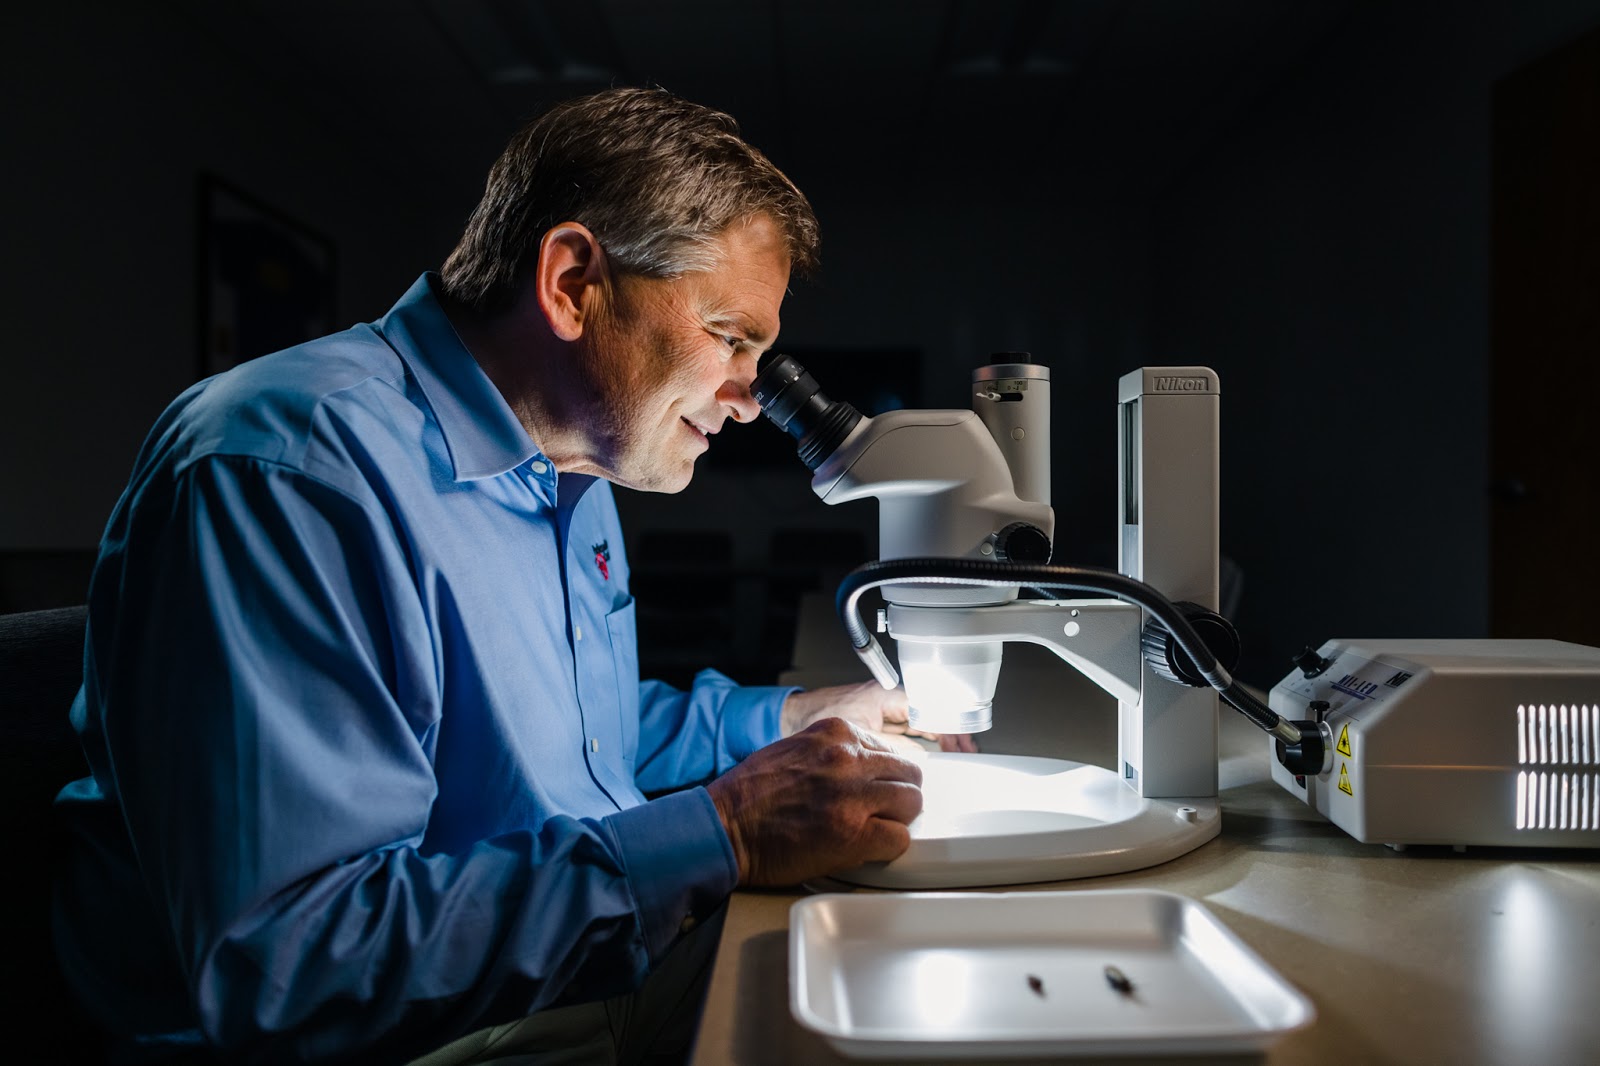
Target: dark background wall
{"type": "Point", "coordinates": [1331, 256]}
{"type": "Point", "coordinates": [1295, 194]}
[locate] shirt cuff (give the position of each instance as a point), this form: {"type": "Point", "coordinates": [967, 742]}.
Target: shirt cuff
{"type": "Point", "coordinates": [750, 718]}
{"type": "Point", "coordinates": [679, 861]}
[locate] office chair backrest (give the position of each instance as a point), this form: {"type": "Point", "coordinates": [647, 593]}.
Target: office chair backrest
{"type": "Point", "coordinates": [41, 668]}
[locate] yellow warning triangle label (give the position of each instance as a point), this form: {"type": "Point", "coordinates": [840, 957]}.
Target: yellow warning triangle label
{"type": "Point", "coordinates": [1343, 747]}
{"type": "Point", "coordinates": [1344, 780]}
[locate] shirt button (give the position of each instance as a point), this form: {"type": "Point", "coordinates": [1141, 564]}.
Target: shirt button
{"type": "Point", "coordinates": [577, 631]}
{"type": "Point", "coordinates": [537, 467]}
{"type": "Point", "coordinates": [594, 743]}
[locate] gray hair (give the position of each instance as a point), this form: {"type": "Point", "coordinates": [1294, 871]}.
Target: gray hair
{"type": "Point", "coordinates": [656, 178]}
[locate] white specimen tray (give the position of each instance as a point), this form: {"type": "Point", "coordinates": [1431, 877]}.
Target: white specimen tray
{"type": "Point", "coordinates": [953, 975]}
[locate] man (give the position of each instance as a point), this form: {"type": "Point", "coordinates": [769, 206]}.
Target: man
{"type": "Point", "coordinates": [361, 702]}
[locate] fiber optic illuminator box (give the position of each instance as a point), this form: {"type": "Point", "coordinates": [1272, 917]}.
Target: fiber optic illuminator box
{"type": "Point", "coordinates": [1461, 742]}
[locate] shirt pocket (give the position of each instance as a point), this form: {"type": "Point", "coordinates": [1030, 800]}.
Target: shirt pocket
{"type": "Point", "coordinates": [622, 630]}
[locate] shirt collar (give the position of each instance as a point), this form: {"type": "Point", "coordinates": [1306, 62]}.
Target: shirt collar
{"type": "Point", "coordinates": [481, 432]}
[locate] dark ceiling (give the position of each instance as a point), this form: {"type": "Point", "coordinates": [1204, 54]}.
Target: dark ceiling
{"type": "Point", "coordinates": [1134, 87]}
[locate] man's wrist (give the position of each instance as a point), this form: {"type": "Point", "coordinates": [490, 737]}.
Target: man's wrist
{"type": "Point", "coordinates": [719, 791]}
{"type": "Point", "coordinates": [679, 859]}
{"type": "Point", "coordinates": [792, 715]}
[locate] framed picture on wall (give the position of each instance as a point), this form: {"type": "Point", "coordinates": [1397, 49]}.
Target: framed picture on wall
{"type": "Point", "coordinates": [265, 281]}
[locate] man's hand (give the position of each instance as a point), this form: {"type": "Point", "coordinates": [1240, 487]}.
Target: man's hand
{"type": "Point", "coordinates": [828, 798]}
{"type": "Point", "coordinates": [868, 705]}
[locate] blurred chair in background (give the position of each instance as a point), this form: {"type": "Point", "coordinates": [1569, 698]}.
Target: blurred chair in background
{"type": "Point", "coordinates": [41, 669]}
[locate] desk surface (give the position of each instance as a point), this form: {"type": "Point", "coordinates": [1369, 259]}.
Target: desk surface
{"type": "Point", "coordinates": [1422, 956]}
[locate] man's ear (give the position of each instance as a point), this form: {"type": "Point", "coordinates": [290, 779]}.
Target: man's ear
{"type": "Point", "coordinates": [569, 278]}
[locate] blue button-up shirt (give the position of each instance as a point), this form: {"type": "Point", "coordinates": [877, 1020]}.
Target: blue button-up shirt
{"type": "Point", "coordinates": [362, 706]}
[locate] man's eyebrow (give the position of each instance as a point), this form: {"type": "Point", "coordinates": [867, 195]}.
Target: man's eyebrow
{"type": "Point", "coordinates": [743, 325]}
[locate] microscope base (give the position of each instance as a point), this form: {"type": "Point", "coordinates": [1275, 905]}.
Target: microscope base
{"type": "Point", "coordinates": [1015, 819]}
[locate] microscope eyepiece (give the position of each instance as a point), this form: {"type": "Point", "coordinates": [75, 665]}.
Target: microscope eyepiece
{"type": "Point", "coordinates": [793, 401]}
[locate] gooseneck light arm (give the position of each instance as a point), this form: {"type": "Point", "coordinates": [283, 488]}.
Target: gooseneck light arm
{"type": "Point", "coordinates": [1049, 576]}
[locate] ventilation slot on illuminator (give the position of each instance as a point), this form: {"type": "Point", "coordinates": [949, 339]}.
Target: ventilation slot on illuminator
{"type": "Point", "coordinates": [1555, 742]}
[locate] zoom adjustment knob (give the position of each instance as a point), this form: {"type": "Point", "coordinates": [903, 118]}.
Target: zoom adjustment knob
{"type": "Point", "coordinates": [1168, 660]}
{"type": "Point", "coordinates": [1022, 543]}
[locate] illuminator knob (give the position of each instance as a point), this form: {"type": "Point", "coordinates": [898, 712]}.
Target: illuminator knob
{"type": "Point", "coordinates": [1311, 663]}
{"type": "Point", "coordinates": [1022, 543]}
{"type": "Point", "coordinates": [1168, 660]}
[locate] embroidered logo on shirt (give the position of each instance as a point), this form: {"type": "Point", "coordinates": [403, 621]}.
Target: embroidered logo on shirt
{"type": "Point", "coordinates": [602, 556]}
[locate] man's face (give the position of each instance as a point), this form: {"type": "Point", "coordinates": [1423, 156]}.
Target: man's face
{"type": "Point", "coordinates": [673, 359]}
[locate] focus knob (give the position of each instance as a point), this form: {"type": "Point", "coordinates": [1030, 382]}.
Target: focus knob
{"type": "Point", "coordinates": [1022, 543]}
{"type": "Point", "coordinates": [1161, 651]}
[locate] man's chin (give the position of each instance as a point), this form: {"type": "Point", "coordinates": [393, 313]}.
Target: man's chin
{"type": "Point", "coordinates": [667, 482]}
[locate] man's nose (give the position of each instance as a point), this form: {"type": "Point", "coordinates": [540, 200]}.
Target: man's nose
{"type": "Point", "coordinates": [735, 392]}
{"type": "Point", "coordinates": [735, 395]}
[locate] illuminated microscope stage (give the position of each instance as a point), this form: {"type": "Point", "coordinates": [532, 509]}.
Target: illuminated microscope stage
{"type": "Point", "coordinates": [1017, 819]}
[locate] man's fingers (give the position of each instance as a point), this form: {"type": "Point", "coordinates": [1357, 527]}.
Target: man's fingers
{"type": "Point", "coordinates": [901, 744]}
{"type": "Point", "coordinates": [832, 796]}
{"type": "Point", "coordinates": [872, 740]}
{"type": "Point", "coordinates": [885, 765]}
{"type": "Point", "coordinates": [946, 741]}
{"type": "Point", "coordinates": [884, 839]}
{"type": "Point", "coordinates": [896, 800]}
